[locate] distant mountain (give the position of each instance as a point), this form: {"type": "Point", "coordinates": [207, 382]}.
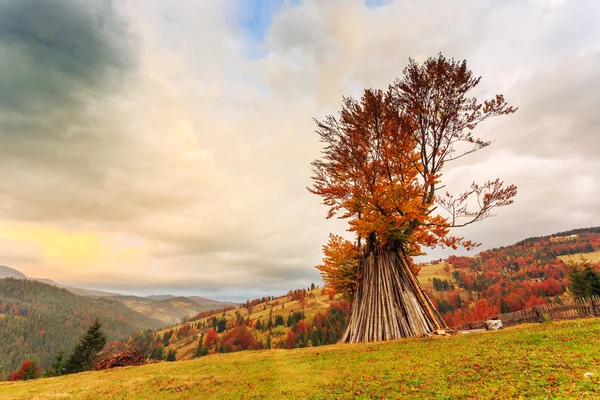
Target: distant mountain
{"type": "Point", "coordinates": [170, 310]}
{"type": "Point", "coordinates": [37, 319]}
{"type": "Point", "coordinates": [165, 307]}
{"type": "Point", "coordinates": [160, 296]}
{"type": "Point", "coordinates": [83, 292]}
{"type": "Point", "coordinates": [6, 272]}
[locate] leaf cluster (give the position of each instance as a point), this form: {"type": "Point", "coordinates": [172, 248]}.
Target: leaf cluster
{"type": "Point", "coordinates": [383, 157]}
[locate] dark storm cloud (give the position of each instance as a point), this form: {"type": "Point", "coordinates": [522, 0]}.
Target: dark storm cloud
{"type": "Point", "coordinates": [60, 60]}
{"type": "Point", "coordinates": [57, 52]}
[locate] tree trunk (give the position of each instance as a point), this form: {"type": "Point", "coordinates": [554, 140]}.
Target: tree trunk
{"type": "Point", "coordinates": [389, 302]}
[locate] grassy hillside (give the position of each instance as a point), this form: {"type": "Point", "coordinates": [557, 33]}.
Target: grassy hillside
{"type": "Point", "coordinates": [430, 271]}
{"type": "Point", "coordinates": [593, 257]}
{"type": "Point", "coordinates": [37, 319]}
{"type": "Point", "coordinates": [185, 344]}
{"type": "Point", "coordinates": [529, 361]}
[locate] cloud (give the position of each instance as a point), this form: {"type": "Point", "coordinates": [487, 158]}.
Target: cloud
{"type": "Point", "coordinates": [178, 136]}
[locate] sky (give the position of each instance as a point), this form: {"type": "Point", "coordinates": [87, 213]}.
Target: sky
{"type": "Point", "coordinates": [153, 147]}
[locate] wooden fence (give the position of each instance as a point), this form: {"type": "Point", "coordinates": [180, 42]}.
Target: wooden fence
{"type": "Point", "coordinates": [568, 309]}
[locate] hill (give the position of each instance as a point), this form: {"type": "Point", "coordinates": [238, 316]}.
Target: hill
{"type": "Point", "coordinates": [528, 361]}
{"type": "Point", "coordinates": [528, 273]}
{"type": "Point", "coordinates": [298, 319]}
{"type": "Point", "coordinates": [37, 319]}
{"type": "Point", "coordinates": [170, 309]}
{"type": "Point", "coordinates": [6, 272]}
{"type": "Point", "coordinates": [160, 296]}
{"type": "Point", "coordinates": [166, 308]}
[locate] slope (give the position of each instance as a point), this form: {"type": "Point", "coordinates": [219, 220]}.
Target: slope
{"type": "Point", "coordinates": [165, 308]}
{"type": "Point", "coordinates": [529, 361]}
{"type": "Point", "coordinates": [528, 273]}
{"type": "Point", "coordinates": [37, 319]}
{"type": "Point", "coordinates": [298, 319]}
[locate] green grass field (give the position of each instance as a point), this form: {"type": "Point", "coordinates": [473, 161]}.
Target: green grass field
{"type": "Point", "coordinates": [593, 257]}
{"type": "Point", "coordinates": [428, 272]}
{"type": "Point", "coordinates": [545, 361]}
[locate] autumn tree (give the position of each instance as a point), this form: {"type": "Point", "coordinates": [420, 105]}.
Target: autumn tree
{"type": "Point", "coordinates": [340, 265]}
{"type": "Point", "coordinates": [381, 169]}
{"type": "Point", "coordinates": [28, 370]}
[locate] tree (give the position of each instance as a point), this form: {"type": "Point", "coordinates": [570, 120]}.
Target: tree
{"type": "Point", "coordinates": [86, 351]}
{"type": "Point", "coordinates": [28, 370]}
{"type": "Point", "coordinates": [171, 355]}
{"type": "Point", "coordinates": [201, 349]}
{"type": "Point", "coordinates": [381, 169]}
{"type": "Point", "coordinates": [57, 367]}
{"type": "Point", "coordinates": [211, 338]}
{"type": "Point", "coordinates": [584, 281]}
{"type": "Point", "coordinates": [340, 265]}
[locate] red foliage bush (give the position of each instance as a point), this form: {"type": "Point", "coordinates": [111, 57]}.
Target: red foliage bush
{"type": "Point", "coordinates": [125, 358]}
{"type": "Point", "coordinates": [212, 337]}
{"type": "Point", "coordinates": [239, 338]}
{"type": "Point", "coordinates": [28, 370]}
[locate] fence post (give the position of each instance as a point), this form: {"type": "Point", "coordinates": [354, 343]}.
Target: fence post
{"type": "Point", "coordinates": [594, 312]}
{"type": "Point", "coordinates": [538, 315]}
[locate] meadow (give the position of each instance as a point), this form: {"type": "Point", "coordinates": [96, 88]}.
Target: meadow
{"type": "Point", "coordinates": [545, 361]}
{"type": "Point", "coordinates": [593, 257]}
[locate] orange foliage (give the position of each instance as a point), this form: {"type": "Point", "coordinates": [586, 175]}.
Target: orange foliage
{"type": "Point", "coordinates": [212, 337]}
{"type": "Point", "coordinates": [383, 160]}
{"type": "Point", "coordinates": [340, 265]}
{"type": "Point", "coordinates": [384, 157]}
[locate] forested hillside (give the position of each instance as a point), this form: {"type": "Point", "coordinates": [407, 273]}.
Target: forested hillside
{"type": "Point", "coordinates": [528, 273]}
{"type": "Point", "coordinates": [301, 318]}
{"type": "Point", "coordinates": [165, 308]}
{"type": "Point", "coordinates": [37, 319]}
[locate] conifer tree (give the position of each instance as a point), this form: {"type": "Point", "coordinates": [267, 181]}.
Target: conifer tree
{"type": "Point", "coordinates": [57, 367]}
{"type": "Point", "coordinates": [87, 350]}
{"type": "Point", "coordinates": [585, 282]}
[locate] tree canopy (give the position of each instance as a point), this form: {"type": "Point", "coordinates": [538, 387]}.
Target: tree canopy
{"type": "Point", "coordinates": [383, 158]}
{"type": "Point", "coordinates": [381, 169]}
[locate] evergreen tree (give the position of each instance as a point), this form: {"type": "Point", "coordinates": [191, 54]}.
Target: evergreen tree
{"type": "Point", "coordinates": [171, 355]}
{"type": "Point", "coordinates": [201, 350]}
{"type": "Point", "coordinates": [279, 320]}
{"type": "Point", "coordinates": [57, 367]}
{"type": "Point", "coordinates": [585, 282]}
{"type": "Point", "coordinates": [86, 351]}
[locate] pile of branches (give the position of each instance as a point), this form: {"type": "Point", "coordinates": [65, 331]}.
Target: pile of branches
{"type": "Point", "coordinates": [123, 358]}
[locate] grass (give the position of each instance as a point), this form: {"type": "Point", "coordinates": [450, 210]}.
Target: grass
{"type": "Point", "coordinates": [544, 361]}
{"type": "Point", "coordinates": [593, 257]}
{"type": "Point", "coordinates": [430, 271]}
